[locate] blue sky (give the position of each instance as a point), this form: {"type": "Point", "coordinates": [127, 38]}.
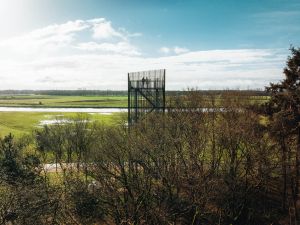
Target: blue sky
{"type": "Point", "coordinates": [206, 44]}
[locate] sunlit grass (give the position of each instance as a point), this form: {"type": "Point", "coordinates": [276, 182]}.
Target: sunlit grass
{"type": "Point", "coordinates": [19, 123]}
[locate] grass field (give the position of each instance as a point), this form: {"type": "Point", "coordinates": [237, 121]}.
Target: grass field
{"type": "Point", "coordinates": [62, 101]}
{"type": "Point", "coordinates": [19, 123]}
{"type": "Point", "coordinates": [94, 101]}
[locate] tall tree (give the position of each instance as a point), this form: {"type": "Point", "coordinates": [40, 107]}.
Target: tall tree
{"type": "Point", "coordinates": [284, 111]}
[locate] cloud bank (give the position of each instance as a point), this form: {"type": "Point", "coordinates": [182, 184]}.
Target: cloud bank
{"type": "Point", "coordinates": [93, 54]}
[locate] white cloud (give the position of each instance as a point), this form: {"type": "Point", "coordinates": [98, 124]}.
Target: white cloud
{"type": "Point", "coordinates": [165, 50]}
{"type": "Point", "coordinates": [175, 50]}
{"type": "Point", "coordinates": [103, 30]}
{"type": "Point", "coordinates": [42, 41]}
{"type": "Point", "coordinates": [203, 69]}
{"type": "Point", "coordinates": [179, 50]}
{"type": "Point", "coordinates": [122, 47]}
{"type": "Point", "coordinates": [61, 38]}
{"type": "Point", "coordinates": [55, 57]}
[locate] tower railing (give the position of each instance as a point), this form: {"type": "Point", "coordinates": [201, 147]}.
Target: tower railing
{"type": "Point", "coordinates": [146, 93]}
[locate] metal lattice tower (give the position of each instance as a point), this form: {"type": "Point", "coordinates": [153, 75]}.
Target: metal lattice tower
{"type": "Point", "coordinates": [146, 93]}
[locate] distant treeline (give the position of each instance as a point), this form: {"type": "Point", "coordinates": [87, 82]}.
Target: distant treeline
{"type": "Point", "coordinates": [124, 92]}
{"type": "Point", "coordinates": [221, 92]}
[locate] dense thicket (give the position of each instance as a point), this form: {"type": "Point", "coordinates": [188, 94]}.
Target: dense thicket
{"type": "Point", "coordinates": [189, 166]}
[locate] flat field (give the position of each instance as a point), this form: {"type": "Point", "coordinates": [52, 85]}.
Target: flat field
{"type": "Point", "coordinates": [19, 123]}
{"type": "Point", "coordinates": [62, 101]}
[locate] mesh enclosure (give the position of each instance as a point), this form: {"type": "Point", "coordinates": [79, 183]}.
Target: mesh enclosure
{"type": "Point", "coordinates": [146, 93]}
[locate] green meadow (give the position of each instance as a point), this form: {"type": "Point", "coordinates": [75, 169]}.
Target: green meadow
{"type": "Point", "coordinates": [19, 123]}
{"type": "Point", "coordinates": [62, 101]}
